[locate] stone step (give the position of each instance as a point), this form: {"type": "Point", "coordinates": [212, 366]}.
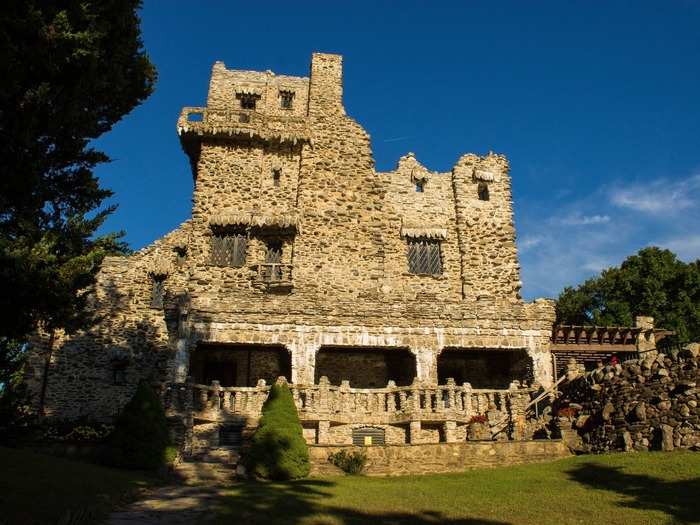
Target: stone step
{"type": "Point", "coordinates": [205, 473]}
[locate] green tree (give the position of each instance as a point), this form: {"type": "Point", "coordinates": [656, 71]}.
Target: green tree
{"type": "Point", "coordinates": [70, 70]}
{"type": "Point", "coordinates": [652, 282]}
{"type": "Point", "coordinates": [140, 439]}
{"type": "Point", "coordinates": [278, 450]}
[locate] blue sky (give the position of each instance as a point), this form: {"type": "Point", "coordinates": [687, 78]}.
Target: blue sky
{"type": "Point", "coordinates": [596, 105]}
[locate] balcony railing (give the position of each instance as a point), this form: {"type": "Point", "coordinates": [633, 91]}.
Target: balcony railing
{"type": "Point", "coordinates": [344, 405]}
{"type": "Point", "coordinates": [230, 122]}
{"type": "Point", "coordinates": [274, 275]}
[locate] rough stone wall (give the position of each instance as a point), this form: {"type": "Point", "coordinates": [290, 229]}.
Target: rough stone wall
{"type": "Point", "coordinates": [344, 229]}
{"type": "Point", "coordinates": [402, 460]}
{"type": "Point", "coordinates": [644, 404]}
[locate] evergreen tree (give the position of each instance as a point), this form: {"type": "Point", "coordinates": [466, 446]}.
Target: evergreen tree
{"type": "Point", "coordinates": [278, 450]}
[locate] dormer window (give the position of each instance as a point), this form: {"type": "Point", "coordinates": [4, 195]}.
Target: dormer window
{"type": "Point", "coordinates": [420, 186]}
{"type": "Point", "coordinates": [276, 176]}
{"type": "Point", "coordinates": [247, 100]}
{"type": "Point", "coordinates": [483, 191]}
{"type": "Point", "coordinates": [286, 99]}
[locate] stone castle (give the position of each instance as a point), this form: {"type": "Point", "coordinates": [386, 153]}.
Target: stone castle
{"type": "Point", "coordinates": [389, 301]}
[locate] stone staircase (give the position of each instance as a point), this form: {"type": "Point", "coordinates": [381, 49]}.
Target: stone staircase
{"type": "Point", "coordinates": [214, 466]}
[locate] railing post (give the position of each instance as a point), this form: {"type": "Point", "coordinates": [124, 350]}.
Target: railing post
{"type": "Point", "coordinates": [323, 391]}
{"type": "Point", "coordinates": [215, 396]}
{"type": "Point", "coordinates": [468, 409]}
{"type": "Point", "coordinates": [450, 431]}
{"type": "Point", "coordinates": [391, 397]}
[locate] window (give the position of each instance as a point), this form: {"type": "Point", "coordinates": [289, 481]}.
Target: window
{"type": "Point", "coordinates": [247, 100]}
{"type": "Point", "coordinates": [158, 292]}
{"type": "Point", "coordinates": [483, 191]}
{"type": "Point", "coordinates": [276, 176]}
{"type": "Point", "coordinates": [286, 98]}
{"type": "Point", "coordinates": [180, 255]}
{"type": "Point", "coordinates": [228, 249]}
{"type": "Point", "coordinates": [424, 257]}
{"type": "Point", "coordinates": [273, 260]}
{"type": "Point", "coordinates": [119, 376]}
{"type": "Point", "coordinates": [420, 186]}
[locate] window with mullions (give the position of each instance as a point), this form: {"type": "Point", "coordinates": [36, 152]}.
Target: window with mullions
{"type": "Point", "coordinates": [228, 249]}
{"type": "Point", "coordinates": [424, 257]}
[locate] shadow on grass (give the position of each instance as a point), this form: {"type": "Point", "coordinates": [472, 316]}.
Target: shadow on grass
{"type": "Point", "coordinates": [301, 502]}
{"type": "Point", "coordinates": [677, 499]}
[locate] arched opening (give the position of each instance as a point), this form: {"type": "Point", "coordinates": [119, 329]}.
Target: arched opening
{"type": "Point", "coordinates": [239, 364]}
{"type": "Point", "coordinates": [483, 367]}
{"type": "Point", "coordinates": [365, 367]}
{"type": "Point", "coordinates": [483, 191]}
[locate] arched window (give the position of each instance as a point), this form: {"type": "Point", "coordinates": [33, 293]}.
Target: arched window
{"type": "Point", "coordinates": [483, 191]}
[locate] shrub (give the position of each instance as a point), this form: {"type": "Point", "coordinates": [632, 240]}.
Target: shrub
{"type": "Point", "coordinates": [349, 462]}
{"type": "Point", "coordinates": [140, 439]}
{"type": "Point", "coordinates": [278, 450]}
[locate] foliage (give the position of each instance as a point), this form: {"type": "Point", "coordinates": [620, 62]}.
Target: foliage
{"type": "Point", "coordinates": [76, 432]}
{"type": "Point", "coordinates": [349, 462]}
{"type": "Point", "coordinates": [141, 439]}
{"type": "Point", "coordinates": [478, 419]}
{"type": "Point", "coordinates": [278, 449]}
{"type": "Point", "coordinates": [653, 282]}
{"type": "Point", "coordinates": [71, 69]}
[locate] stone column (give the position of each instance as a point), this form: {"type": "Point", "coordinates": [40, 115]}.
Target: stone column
{"type": "Point", "coordinates": [323, 434]}
{"type": "Point", "coordinates": [450, 429]}
{"type": "Point", "coordinates": [426, 365]}
{"type": "Point", "coordinates": [414, 432]}
{"type": "Point", "coordinates": [303, 362]}
{"type": "Point", "coordinates": [542, 367]}
{"type": "Point", "coordinates": [646, 342]}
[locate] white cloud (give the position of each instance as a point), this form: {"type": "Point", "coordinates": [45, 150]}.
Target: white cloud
{"type": "Point", "coordinates": [565, 244]}
{"type": "Point", "coordinates": [585, 220]}
{"type": "Point", "coordinates": [687, 248]}
{"type": "Point", "coordinates": [659, 196]}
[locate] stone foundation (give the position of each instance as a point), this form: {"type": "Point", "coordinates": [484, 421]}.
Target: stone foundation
{"type": "Point", "coordinates": [398, 460]}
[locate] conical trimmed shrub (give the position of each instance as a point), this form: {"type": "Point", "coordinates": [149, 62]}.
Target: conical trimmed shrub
{"type": "Point", "coordinates": [278, 450]}
{"type": "Point", "coordinates": [140, 439]}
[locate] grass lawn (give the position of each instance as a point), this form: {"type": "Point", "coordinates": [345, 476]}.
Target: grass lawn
{"type": "Point", "coordinates": [38, 489]}
{"type": "Point", "coordinates": [611, 489]}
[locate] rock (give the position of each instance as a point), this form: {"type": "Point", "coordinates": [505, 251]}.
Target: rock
{"type": "Point", "coordinates": [581, 421]}
{"type": "Point", "coordinates": [667, 438]}
{"type": "Point", "coordinates": [627, 443]}
{"type": "Point", "coordinates": [608, 410]}
{"type": "Point", "coordinates": [640, 412]}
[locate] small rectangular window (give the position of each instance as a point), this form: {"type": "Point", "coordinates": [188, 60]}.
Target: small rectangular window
{"type": "Point", "coordinates": [157, 292]}
{"type": "Point", "coordinates": [228, 249]}
{"type": "Point", "coordinates": [286, 99]}
{"type": "Point", "coordinates": [247, 100]}
{"type": "Point", "coordinates": [424, 257]}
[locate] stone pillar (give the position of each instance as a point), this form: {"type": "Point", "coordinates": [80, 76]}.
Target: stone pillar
{"type": "Point", "coordinates": [303, 362]}
{"type": "Point", "coordinates": [450, 430]}
{"type": "Point", "coordinates": [426, 365]}
{"type": "Point", "coordinates": [646, 342]}
{"type": "Point", "coordinates": [323, 434]}
{"type": "Point", "coordinates": [414, 432]}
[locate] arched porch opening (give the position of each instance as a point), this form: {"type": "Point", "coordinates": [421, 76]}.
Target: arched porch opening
{"type": "Point", "coordinates": [365, 367]}
{"type": "Point", "coordinates": [239, 364]}
{"type": "Point", "coordinates": [484, 367]}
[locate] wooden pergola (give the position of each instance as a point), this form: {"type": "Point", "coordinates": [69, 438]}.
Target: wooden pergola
{"type": "Point", "coordinates": [589, 344]}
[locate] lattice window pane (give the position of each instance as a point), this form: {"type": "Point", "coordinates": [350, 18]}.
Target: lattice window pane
{"type": "Point", "coordinates": [424, 257]}
{"type": "Point", "coordinates": [228, 250]}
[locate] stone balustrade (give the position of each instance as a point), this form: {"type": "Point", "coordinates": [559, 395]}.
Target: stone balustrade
{"type": "Point", "coordinates": [345, 405]}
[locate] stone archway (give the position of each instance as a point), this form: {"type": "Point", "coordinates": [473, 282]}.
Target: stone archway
{"type": "Point", "coordinates": [484, 367]}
